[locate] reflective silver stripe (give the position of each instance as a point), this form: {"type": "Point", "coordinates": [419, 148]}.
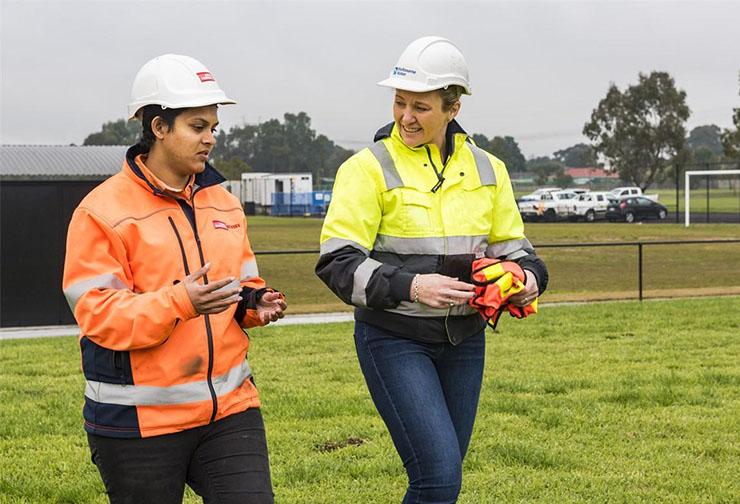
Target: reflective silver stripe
{"type": "Point", "coordinates": [74, 292]}
{"type": "Point", "coordinates": [421, 310]}
{"type": "Point", "coordinates": [516, 255]}
{"type": "Point", "coordinates": [333, 244]}
{"type": "Point", "coordinates": [249, 270]}
{"type": "Point", "coordinates": [507, 248]}
{"type": "Point", "coordinates": [147, 395]}
{"type": "Point", "coordinates": [361, 277]}
{"type": "Point", "coordinates": [483, 164]}
{"type": "Point", "coordinates": [432, 245]}
{"type": "Point", "coordinates": [392, 178]}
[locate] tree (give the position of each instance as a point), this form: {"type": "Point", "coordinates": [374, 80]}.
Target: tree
{"type": "Point", "coordinates": [232, 168]}
{"type": "Point", "coordinates": [705, 137]}
{"type": "Point", "coordinates": [483, 142]}
{"type": "Point", "coordinates": [641, 130]}
{"type": "Point", "coordinates": [118, 132]}
{"type": "Point", "coordinates": [290, 146]}
{"type": "Point", "coordinates": [544, 168]}
{"type": "Point", "coordinates": [507, 150]}
{"type": "Point", "coordinates": [577, 156]}
{"type": "Point", "coordinates": [730, 138]}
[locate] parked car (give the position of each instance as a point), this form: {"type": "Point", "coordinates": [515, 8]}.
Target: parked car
{"type": "Point", "coordinates": [543, 190]}
{"type": "Point", "coordinates": [549, 206]}
{"type": "Point", "coordinates": [591, 206]}
{"type": "Point", "coordinates": [631, 209]}
{"type": "Point", "coordinates": [623, 192]}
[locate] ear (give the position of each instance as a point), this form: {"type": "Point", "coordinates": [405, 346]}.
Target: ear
{"type": "Point", "coordinates": [454, 110]}
{"type": "Point", "coordinates": [159, 127]}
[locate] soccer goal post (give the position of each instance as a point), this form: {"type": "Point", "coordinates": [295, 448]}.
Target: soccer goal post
{"type": "Point", "coordinates": [687, 186]}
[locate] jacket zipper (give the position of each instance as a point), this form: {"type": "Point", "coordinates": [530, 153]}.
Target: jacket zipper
{"type": "Point", "coordinates": [189, 212]}
{"type": "Point", "coordinates": [437, 186]}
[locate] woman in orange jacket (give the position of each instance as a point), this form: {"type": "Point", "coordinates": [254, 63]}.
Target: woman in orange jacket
{"type": "Point", "coordinates": [161, 278]}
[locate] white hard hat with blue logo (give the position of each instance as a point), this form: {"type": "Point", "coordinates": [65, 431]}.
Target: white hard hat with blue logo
{"type": "Point", "coordinates": [429, 63]}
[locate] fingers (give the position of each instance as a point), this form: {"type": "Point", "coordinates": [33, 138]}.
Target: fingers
{"type": "Point", "coordinates": [219, 304]}
{"type": "Point", "coordinates": [199, 273]}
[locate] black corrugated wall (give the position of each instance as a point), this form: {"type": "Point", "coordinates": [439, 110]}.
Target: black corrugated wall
{"type": "Point", "coordinates": [34, 216]}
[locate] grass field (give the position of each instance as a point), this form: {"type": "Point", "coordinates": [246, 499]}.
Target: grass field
{"type": "Point", "coordinates": [720, 200]}
{"type": "Point", "coordinates": [576, 273]}
{"type": "Point", "coordinates": [612, 402]}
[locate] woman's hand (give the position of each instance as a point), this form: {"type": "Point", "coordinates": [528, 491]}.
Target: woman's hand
{"type": "Point", "coordinates": [440, 291]}
{"type": "Point", "coordinates": [271, 307]}
{"type": "Point", "coordinates": [529, 293]}
{"type": "Point", "coordinates": [211, 298]}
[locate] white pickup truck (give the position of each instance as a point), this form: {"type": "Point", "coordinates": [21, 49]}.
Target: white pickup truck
{"type": "Point", "coordinates": [591, 206]}
{"type": "Point", "coordinates": [624, 192]}
{"type": "Point", "coordinates": [549, 206]}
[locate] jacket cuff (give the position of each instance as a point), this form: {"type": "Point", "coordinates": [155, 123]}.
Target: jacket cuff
{"type": "Point", "coordinates": [183, 304]}
{"type": "Point", "coordinates": [539, 270]}
{"type": "Point", "coordinates": [401, 285]}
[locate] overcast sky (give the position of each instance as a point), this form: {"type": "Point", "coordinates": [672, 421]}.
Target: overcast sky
{"type": "Point", "coordinates": [537, 68]}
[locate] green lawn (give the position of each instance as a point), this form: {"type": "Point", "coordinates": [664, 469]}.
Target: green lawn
{"type": "Point", "coordinates": [576, 273]}
{"type": "Point", "coordinates": [612, 402]}
{"type": "Point", "coordinates": [720, 200]}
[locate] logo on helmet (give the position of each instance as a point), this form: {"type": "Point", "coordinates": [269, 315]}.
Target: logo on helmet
{"type": "Point", "coordinates": [205, 76]}
{"type": "Point", "coordinates": [403, 71]}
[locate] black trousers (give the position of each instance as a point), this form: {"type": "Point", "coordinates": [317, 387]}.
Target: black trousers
{"type": "Point", "coordinates": [224, 462]}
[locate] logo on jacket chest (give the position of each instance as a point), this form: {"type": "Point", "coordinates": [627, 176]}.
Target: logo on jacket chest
{"type": "Point", "coordinates": [217, 224]}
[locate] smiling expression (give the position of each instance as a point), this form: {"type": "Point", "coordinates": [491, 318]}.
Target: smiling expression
{"type": "Point", "coordinates": [420, 117]}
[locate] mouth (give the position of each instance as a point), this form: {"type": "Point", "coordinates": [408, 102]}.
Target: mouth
{"type": "Point", "coordinates": [410, 130]}
{"type": "Point", "coordinates": [203, 155]}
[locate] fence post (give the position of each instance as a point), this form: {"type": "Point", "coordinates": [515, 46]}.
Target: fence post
{"type": "Point", "coordinates": [639, 268]}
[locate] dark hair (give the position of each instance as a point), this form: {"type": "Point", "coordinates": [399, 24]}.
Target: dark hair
{"type": "Point", "coordinates": [148, 113]}
{"type": "Point", "coordinates": [450, 95]}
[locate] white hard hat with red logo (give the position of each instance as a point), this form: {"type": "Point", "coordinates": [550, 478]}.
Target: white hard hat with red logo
{"type": "Point", "coordinates": [429, 63]}
{"type": "Point", "coordinates": [175, 81]}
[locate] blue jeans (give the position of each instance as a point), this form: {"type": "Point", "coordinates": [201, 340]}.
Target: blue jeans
{"type": "Point", "coordinates": [427, 395]}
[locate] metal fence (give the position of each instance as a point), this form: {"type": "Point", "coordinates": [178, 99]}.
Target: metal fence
{"type": "Point", "coordinates": [638, 245]}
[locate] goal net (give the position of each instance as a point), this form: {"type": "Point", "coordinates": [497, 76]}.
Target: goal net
{"type": "Point", "coordinates": [725, 191]}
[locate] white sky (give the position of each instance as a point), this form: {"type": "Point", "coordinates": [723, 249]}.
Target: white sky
{"type": "Point", "coordinates": [537, 69]}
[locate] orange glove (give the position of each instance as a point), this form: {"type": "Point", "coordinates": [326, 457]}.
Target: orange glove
{"type": "Point", "coordinates": [495, 282]}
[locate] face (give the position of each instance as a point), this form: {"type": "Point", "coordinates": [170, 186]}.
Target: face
{"type": "Point", "coordinates": [420, 118]}
{"type": "Point", "coordinates": [190, 140]}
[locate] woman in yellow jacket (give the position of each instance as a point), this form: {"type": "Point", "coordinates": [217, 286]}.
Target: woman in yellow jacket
{"type": "Point", "coordinates": [161, 278]}
{"type": "Point", "coordinates": [408, 217]}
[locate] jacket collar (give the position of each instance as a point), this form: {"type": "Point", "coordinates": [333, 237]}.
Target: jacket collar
{"type": "Point", "coordinates": [208, 177]}
{"type": "Point", "coordinates": [453, 128]}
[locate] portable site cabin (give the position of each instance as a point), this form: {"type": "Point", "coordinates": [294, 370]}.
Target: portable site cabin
{"type": "Point", "coordinates": [259, 189]}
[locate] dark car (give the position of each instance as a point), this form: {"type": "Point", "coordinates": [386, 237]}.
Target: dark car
{"type": "Point", "coordinates": [635, 208]}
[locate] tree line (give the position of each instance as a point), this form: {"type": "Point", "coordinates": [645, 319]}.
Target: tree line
{"type": "Point", "coordinates": [639, 130]}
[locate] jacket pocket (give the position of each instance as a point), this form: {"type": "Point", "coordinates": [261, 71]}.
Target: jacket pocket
{"type": "Point", "coordinates": [416, 212]}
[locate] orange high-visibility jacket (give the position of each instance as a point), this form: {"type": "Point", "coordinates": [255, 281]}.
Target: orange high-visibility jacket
{"type": "Point", "coordinates": [152, 365]}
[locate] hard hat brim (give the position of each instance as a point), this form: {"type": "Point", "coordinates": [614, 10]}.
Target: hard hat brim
{"type": "Point", "coordinates": [135, 107]}
{"type": "Point", "coordinates": [415, 87]}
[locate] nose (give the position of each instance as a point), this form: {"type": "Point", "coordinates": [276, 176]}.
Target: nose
{"type": "Point", "coordinates": [407, 117]}
{"type": "Point", "coordinates": [210, 138]}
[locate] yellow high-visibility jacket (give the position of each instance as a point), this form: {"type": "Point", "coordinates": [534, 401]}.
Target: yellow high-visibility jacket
{"type": "Point", "coordinates": [397, 211]}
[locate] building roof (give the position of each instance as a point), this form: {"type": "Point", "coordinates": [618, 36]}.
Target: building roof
{"type": "Point", "coordinates": [60, 162]}
{"type": "Point", "coordinates": [590, 172]}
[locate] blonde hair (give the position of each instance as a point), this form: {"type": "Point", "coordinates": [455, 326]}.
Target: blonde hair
{"type": "Point", "coordinates": [450, 95]}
